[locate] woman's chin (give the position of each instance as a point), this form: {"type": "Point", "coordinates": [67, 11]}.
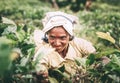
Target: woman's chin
{"type": "Point", "coordinates": [58, 50]}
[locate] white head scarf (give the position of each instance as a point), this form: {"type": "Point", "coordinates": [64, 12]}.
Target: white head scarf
{"type": "Point", "coordinates": [58, 18]}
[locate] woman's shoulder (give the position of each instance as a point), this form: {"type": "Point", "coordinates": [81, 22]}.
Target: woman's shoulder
{"type": "Point", "coordinates": [82, 44]}
{"type": "Point", "coordinates": [77, 40]}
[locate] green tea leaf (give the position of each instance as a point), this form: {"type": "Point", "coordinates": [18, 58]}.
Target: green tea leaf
{"type": "Point", "coordinates": [106, 52]}
{"type": "Point", "coordinates": [62, 69]}
{"type": "Point", "coordinates": [90, 59]}
{"type": "Point", "coordinates": [106, 36]}
{"type": "Point", "coordinates": [7, 21]}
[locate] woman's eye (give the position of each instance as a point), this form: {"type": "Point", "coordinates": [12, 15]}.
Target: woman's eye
{"type": "Point", "coordinates": [51, 37]}
{"type": "Point", "coordinates": [63, 37]}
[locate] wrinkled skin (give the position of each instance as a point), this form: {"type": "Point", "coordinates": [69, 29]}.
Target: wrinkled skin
{"type": "Point", "coordinates": [58, 38]}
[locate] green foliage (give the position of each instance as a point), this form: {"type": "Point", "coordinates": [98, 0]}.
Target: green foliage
{"type": "Point", "coordinates": [106, 52]}
{"type": "Point", "coordinates": [58, 74]}
{"type": "Point", "coordinates": [101, 69]}
{"type": "Point", "coordinates": [27, 16]}
{"type": "Point", "coordinates": [74, 5]}
{"type": "Point", "coordinates": [116, 2]}
{"type": "Point", "coordinates": [98, 71]}
{"type": "Point", "coordinates": [5, 50]}
{"type": "Point", "coordinates": [91, 59]}
{"type": "Point", "coordinates": [17, 36]}
{"type": "Point", "coordinates": [107, 21]}
{"type": "Point", "coordinates": [28, 11]}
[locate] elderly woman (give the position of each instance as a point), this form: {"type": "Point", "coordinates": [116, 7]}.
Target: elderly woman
{"type": "Point", "coordinates": [58, 35]}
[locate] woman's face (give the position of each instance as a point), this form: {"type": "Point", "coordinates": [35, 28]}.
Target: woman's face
{"type": "Point", "coordinates": [58, 38]}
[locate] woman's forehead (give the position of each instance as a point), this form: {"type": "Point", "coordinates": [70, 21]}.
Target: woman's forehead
{"type": "Point", "coordinates": [58, 29]}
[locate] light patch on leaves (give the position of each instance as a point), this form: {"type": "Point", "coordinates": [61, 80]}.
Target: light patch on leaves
{"type": "Point", "coordinates": [106, 36]}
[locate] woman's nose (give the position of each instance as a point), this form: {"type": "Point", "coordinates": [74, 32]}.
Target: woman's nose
{"type": "Point", "coordinates": [57, 42]}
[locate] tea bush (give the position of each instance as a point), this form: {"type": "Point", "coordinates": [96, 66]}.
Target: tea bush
{"type": "Point", "coordinates": [100, 20]}
{"type": "Point", "coordinates": [18, 20]}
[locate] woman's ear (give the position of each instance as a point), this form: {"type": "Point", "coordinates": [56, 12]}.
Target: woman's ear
{"type": "Point", "coordinates": [71, 38]}
{"type": "Point", "coordinates": [45, 39]}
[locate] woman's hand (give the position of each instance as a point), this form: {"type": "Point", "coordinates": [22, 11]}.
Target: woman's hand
{"type": "Point", "coordinates": [42, 77]}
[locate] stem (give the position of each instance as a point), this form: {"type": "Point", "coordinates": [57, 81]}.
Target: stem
{"type": "Point", "coordinates": [117, 46]}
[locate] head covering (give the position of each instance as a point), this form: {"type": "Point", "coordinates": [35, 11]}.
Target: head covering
{"type": "Point", "coordinates": [53, 19]}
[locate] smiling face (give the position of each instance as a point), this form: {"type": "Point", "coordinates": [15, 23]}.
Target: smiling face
{"type": "Point", "coordinates": [58, 38]}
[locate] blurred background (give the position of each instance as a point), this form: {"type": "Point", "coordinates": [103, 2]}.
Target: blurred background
{"type": "Point", "coordinates": [19, 18]}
